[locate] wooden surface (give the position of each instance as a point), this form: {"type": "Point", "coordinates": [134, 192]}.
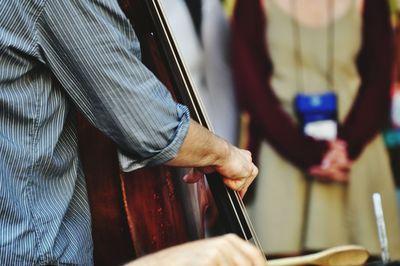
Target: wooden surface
{"type": "Point", "coordinates": [348, 255]}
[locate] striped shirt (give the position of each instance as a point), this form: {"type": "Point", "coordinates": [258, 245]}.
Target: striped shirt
{"type": "Point", "coordinates": [55, 55]}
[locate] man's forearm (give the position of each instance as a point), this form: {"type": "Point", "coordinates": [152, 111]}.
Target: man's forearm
{"type": "Point", "coordinates": [201, 148]}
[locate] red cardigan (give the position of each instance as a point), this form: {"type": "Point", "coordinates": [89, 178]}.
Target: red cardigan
{"type": "Point", "coordinates": [252, 72]}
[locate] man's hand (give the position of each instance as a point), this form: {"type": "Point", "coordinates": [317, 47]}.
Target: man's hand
{"type": "Point", "coordinates": [237, 170]}
{"type": "Point", "coordinates": [208, 153]}
{"type": "Point", "coordinates": [228, 250]}
{"type": "Point", "coordinates": [335, 166]}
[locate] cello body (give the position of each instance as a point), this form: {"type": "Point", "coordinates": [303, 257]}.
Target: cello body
{"type": "Point", "coordinates": [140, 212]}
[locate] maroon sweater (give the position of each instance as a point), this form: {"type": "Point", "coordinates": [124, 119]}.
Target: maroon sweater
{"type": "Point", "coordinates": [252, 72]}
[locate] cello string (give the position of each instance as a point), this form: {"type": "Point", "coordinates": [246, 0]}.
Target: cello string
{"type": "Point", "coordinates": [203, 119]}
{"type": "Point", "coordinates": [256, 240]}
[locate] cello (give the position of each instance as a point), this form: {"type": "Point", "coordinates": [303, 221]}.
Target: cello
{"type": "Point", "coordinates": [140, 212]}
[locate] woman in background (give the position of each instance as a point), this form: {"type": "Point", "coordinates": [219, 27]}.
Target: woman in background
{"type": "Point", "coordinates": [312, 194]}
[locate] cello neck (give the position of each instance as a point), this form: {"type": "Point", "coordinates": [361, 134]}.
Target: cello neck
{"type": "Point", "coordinates": [156, 36]}
{"type": "Point", "coordinates": [229, 203]}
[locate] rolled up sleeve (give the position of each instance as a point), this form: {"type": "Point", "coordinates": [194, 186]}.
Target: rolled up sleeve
{"type": "Point", "coordinates": [94, 54]}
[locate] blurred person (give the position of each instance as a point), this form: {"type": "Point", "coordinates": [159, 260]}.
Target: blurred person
{"type": "Point", "coordinates": [316, 192]}
{"type": "Point", "coordinates": [201, 31]}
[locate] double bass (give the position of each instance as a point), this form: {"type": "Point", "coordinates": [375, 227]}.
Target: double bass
{"type": "Point", "coordinates": [146, 210]}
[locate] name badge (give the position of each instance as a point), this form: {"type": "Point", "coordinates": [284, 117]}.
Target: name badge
{"type": "Point", "coordinates": [317, 115]}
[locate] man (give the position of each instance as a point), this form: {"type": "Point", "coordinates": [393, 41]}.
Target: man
{"type": "Point", "coordinates": [58, 54]}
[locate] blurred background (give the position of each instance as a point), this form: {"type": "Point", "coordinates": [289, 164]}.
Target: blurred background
{"type": "Point", "coordinates": [269, 70]}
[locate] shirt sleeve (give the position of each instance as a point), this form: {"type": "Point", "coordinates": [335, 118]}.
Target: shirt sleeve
{"type": "Point", "coordinates": [252, 71]}
{"type": "Point", "coordinates": [94, 54]}
{"type": "Point", "coordinates": [370, 110]}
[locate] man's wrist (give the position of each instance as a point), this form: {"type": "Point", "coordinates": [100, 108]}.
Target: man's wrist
{"type": "Point", "coordinates": [223, 152]}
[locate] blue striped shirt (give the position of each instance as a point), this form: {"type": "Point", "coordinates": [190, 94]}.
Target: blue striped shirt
{"type": "Point", "coordinates": [55, 55]}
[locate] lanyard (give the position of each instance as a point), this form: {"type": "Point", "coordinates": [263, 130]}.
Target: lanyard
{"type": "Point", "coordinates": [298, 57]}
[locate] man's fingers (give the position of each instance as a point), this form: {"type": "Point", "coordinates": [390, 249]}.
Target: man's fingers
{"type": "Point", "coordinates": [235, 184]}
{"type": "Point", "coordinates": [241, 184]}
{"type": "Point", "coordinates": [246, 254]}
{"type": "Point", "coordinates": [250, 180]}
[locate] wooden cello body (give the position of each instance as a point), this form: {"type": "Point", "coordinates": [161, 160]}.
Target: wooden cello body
{"type": "Point", "coordinates": [146, 210]}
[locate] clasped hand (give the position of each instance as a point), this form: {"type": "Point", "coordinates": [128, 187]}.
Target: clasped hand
{"type": "Point", "coordinates": [335, 165]}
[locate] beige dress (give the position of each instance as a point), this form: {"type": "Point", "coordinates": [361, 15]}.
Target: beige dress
{"type": "Point", "coordinates": [289, 214]}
